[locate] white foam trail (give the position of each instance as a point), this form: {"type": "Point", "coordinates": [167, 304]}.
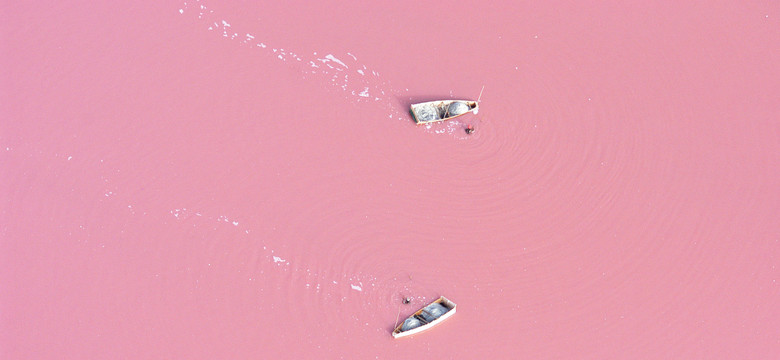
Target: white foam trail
{"type": "Point", "coordinates": [334, 72]}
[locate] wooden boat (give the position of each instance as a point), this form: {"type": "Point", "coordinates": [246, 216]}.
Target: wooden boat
{"type": "Point", "coordinates": [426, 318]}
{"type": "Point", "coordinates": [440, 110]}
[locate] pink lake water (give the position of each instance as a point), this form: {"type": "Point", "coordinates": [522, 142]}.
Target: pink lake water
{"type": "Point", "coordinates": [200, 180]}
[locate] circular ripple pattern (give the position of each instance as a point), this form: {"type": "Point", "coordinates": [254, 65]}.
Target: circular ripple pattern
{"type": "Point", "coordinates": [237, 179]}
{"type": "Point", "coordinates": [586, 204]}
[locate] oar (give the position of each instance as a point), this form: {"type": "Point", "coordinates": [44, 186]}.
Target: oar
{"type": "Point", "coordinates": [396, 318]}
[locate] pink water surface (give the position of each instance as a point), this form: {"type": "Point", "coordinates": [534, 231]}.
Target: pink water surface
{"type": "Point", "coordinates": [201, 180]}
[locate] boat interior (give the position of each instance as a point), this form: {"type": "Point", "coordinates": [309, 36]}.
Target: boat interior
{"type": "Point", "coordinates": [426, 317]}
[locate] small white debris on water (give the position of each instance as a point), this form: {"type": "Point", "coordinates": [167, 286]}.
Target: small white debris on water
{"type": "Point", "coordinates": [337, 61]}
{"type": "Point", "coordinates": [181, 11]}
{"type": "Point", "coordinates": [235, 223]}
{"type": "Point", "coordinates": [279, 260]}
{"type": "Point", "coordinates": [325, 65]}
{"type": "Point", "coordinates": [355, 287]}
{"type": "Point", "coordinates": [70, 157]}
{"type": "Point", "coordinates": [177, 212]}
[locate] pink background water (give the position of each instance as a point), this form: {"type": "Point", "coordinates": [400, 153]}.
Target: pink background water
{"type": "Point", "coordinates": [201, 180]}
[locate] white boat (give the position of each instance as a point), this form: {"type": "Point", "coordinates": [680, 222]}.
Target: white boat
{"type": "Point", "coordinates": [427, 317]}
{"type": "Point", "coordinates": [440, 110]}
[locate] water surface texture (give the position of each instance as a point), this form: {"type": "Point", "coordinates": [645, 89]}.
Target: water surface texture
{"type": "Point", "coordinates": [243, 180]}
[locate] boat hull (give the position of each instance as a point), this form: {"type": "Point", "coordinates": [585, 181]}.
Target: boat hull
{"type": "Point", "coordinates": [435, 111]}
{"type": "Point", "coordinates": [397, 333]}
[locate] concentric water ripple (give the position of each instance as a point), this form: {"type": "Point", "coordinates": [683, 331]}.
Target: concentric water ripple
{"type": "Point", "coordinates": [555, 177]}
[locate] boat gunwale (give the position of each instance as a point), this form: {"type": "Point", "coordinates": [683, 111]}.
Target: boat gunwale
{"type": "Point", "coordinates": [473, 106]}
{"type": "Point", "coordinates": [397, 333]}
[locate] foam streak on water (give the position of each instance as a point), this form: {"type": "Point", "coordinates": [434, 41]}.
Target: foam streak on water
{"type": "Point", "coordinates": [368, 86]}
{"type": "Point", "coordinates": [196, 179]}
